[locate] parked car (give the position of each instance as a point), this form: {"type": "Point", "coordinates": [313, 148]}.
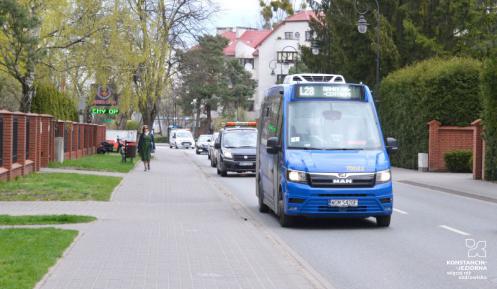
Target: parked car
{"type": "Point", "coordinates": [210, 147]}
{"type": "Point", "coordinates": [182, 138]}
{"type": "Point", "coordinates": [235, 148]}
{"type": "Point", "coordinates": [202, 144]}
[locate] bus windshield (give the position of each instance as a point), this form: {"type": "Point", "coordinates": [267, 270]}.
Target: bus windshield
{"type": "Point", "coordinates": [328, 125]}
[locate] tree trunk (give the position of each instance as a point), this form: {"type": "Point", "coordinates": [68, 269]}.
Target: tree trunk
{"type": "Point", "coordinates": [209, 117]}
{"type": "Point", "coordinates": [28, 92]}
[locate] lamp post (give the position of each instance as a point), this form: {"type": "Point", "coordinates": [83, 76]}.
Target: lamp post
{"type": "Point", "coordinates": [362, 27]}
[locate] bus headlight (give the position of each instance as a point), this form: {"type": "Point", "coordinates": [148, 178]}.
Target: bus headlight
{"type": "Point", "coordinates": [297, 176]}
{"type": "Point", "coordinates": [383, 177]}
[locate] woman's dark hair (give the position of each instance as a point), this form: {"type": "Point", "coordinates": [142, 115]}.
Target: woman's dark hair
{"type": "Point", "coordinates": [144, 128]}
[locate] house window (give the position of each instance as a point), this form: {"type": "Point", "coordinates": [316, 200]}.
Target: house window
{"type": "Point", "coordinates": [15, 139]}
{"type": "Point", "coordinates": [308, 35]}
{"type": "Point", "coordinates": [286, 56]}
{"type": "Point", "coordinates": [27, 137]}
{"type": "Point", "coordinates": [245, 61]}
{"type": "Point", "coordinates": [288, 35]}
{"type": "Point", "coordinates": [1, 141]}
{"type": "Point", "coordinates": [280, 78]}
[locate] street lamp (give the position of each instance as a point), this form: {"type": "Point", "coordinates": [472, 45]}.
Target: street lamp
{"type": "Point", "coordinates": [362, 27]}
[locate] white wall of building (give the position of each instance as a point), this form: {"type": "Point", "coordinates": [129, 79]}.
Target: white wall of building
{"type": "Point", "coordinates": [268, 52]}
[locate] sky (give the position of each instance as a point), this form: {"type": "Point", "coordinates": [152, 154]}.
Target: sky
{"type": "Point", "coordinates": [239, 13]}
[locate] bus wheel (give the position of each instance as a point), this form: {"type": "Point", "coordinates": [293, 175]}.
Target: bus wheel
{"type": "Point", "coordinates": [383, 221]}
{"type": "Point", "coordinates": [285, 220]}
{"type": "Point", "coordinates": [263, 208]}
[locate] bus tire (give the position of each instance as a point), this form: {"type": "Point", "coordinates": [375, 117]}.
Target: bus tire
{"type": "Point", "coordinates": [285, 220]}
{"type": "Point", "coordinates": [263, 208]}
{"type": "Point", "coordinates": [383, 221]}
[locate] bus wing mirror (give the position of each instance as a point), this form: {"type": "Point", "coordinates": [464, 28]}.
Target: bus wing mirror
{"type": "Point", "coordinates": [217, 145]}
{"type": "Point", "coordinates": [392, 145]}
{"type": "Point", "coordinates": [272, 146]}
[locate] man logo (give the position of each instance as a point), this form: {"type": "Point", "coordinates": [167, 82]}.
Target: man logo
{"type": "Point", "coordinates": [476, 248]}
{"type": "Point", "coordinates": [342, 181]}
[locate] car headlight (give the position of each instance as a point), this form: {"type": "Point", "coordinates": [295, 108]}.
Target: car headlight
{"type": "Point", "coordinates": [227, 154]}
{"type": "Point", "coordinates": [383, 177]}
{"type": "Point", "coordinates": [297, 176]}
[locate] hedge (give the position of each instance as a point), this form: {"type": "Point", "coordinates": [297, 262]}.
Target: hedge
{"type": "Point", "coordinates": [489, 116]}
{"type": "Point", "coordinates": [459, 161]}
{"type": "Point", "coordinates": [49, 100]}
{"type": "Point", "coordinates": [447, 90]}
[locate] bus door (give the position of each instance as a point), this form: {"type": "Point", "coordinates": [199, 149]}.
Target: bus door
{"type": "Point", "coordinates": [269, 163]}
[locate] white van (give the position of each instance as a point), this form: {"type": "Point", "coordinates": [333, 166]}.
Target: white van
{"type": "Point", "coordinates": [182, 138]}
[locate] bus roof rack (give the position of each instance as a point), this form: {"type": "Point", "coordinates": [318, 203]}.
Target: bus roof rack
{"type": "Point", "coordinates": [313, 77]}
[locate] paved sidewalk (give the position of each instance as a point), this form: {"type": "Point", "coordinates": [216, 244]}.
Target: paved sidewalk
{"type": "Point", "coordinates": [455, 183]}
{"type": "Point", "coordinates": [167, 228]}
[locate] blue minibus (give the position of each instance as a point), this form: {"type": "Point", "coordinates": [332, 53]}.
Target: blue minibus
{"type": "Point", "coordinates": [321, 152]}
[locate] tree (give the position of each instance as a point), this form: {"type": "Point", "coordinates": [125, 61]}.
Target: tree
{"type": "Point", "coordinates": [31, 29]}
{"type": "Point", "coordinates": [275, 10]}
{"type": "Point", "coordinates": [489, 87]}
{"type": "Point", "coordinates": [411, 31]}
{"type": "Point", "coordinates": [240, 87]}
{"type": "Point", "coordinates": [208, 79]}
{"type": "Point", "coordinates": [202, 76]}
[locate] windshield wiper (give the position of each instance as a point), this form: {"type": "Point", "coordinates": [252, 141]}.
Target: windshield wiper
{"type": "Point", "coordinates": [343, 149]}
{"type": "Point", "coordinates": [304, 148]}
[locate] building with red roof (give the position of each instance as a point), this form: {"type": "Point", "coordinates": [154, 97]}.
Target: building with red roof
{"type": "Point", "coordinates": [269, 54]}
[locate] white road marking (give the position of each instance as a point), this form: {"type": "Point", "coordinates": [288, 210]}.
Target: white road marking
{"type": "Point", "coordinates": [454, 230]}
{"type": "Point", "coordinates": [400, 211]}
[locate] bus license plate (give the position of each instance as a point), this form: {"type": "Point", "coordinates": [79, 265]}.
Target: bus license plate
{"type": "Point", "coordinates": [245, 164]}
{"type": "Point", "coordinates": [343, 203]}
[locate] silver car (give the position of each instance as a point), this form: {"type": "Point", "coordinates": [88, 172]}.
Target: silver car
{"type": "Point", "coordinates": [211, 150]}
{"type": "Point", "coordinates": [202, 143]}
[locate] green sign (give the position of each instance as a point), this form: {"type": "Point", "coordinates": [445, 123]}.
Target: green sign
{"type": "Point", "coordinates": [103, 110]}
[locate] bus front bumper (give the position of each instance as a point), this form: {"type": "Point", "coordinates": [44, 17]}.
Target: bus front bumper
{"type": "Point", "coordinates": [304, 200]}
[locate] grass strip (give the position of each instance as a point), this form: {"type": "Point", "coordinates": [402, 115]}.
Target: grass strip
{"type": "Point", "coordinates": [7, 220]}
{"type": "Point", "coordinates": [58, 187]}
{"type": "Point", "coordinates": [27, 254]}
{"type": "Point", "coordinates": [98, 162]}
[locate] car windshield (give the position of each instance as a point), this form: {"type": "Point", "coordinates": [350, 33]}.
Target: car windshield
{"type": "Point", "coordinates": [204, 138]}
{"type": "Point", "coordinates": [339, 125]}
{"type": "Point", "coordinates": [185, 134]}
{"type": "Point", "coordinates": [240, 138]}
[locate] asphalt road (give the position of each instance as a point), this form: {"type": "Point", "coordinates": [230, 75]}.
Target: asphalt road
{"type": "Point", "coordinates": [424, 245]}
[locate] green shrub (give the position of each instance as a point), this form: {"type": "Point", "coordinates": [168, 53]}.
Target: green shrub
{"type": "Point", "coordinates": [132, 125]}
{"type": "Point", "coordinates": [489, 87]}
{"type": "Point", "coordinates": [445, 90]}
{"type": "Point", "coordinates": [160, 139]}
{"type": "Point", "coordinates": [49, 100]}
{"type": "Point", "coordinates": [459, 161]}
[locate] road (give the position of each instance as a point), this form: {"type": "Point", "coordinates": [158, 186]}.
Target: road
{"type": "Point", "coordinates": [424, 244]}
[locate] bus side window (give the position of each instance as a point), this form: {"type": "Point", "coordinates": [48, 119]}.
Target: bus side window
{"type": "Point", "coordinates": [265, 121]}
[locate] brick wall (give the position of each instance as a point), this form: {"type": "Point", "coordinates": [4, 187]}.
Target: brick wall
{"type": "Point", "coordinates": [444, 139]}
{"type": "Point", "coordinates": [35, 142]}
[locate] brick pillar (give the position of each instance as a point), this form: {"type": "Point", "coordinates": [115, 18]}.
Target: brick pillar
{"type": "Point", "coordinates": [7, 141]}
{"type": "Point", "coordinates": [53, 123]}
{"type": "Point", "coordinates": [69, 139]}
{"type": "Point", "coordinates": [75, 140]}
{"type": "Point", "coordinates": [45, 140]}
{"type": "Point", "coordinates": [33, 139]}
{"type": "Point", "coordinates": [477, 150]}
{"type": "Point", "coordinates": [433, 145]}
{"type": "Point", "coordinates": [21, 140]}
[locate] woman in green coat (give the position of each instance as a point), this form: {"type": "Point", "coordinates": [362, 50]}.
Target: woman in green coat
{"type": "Point", "coordinates": [145, 146]}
